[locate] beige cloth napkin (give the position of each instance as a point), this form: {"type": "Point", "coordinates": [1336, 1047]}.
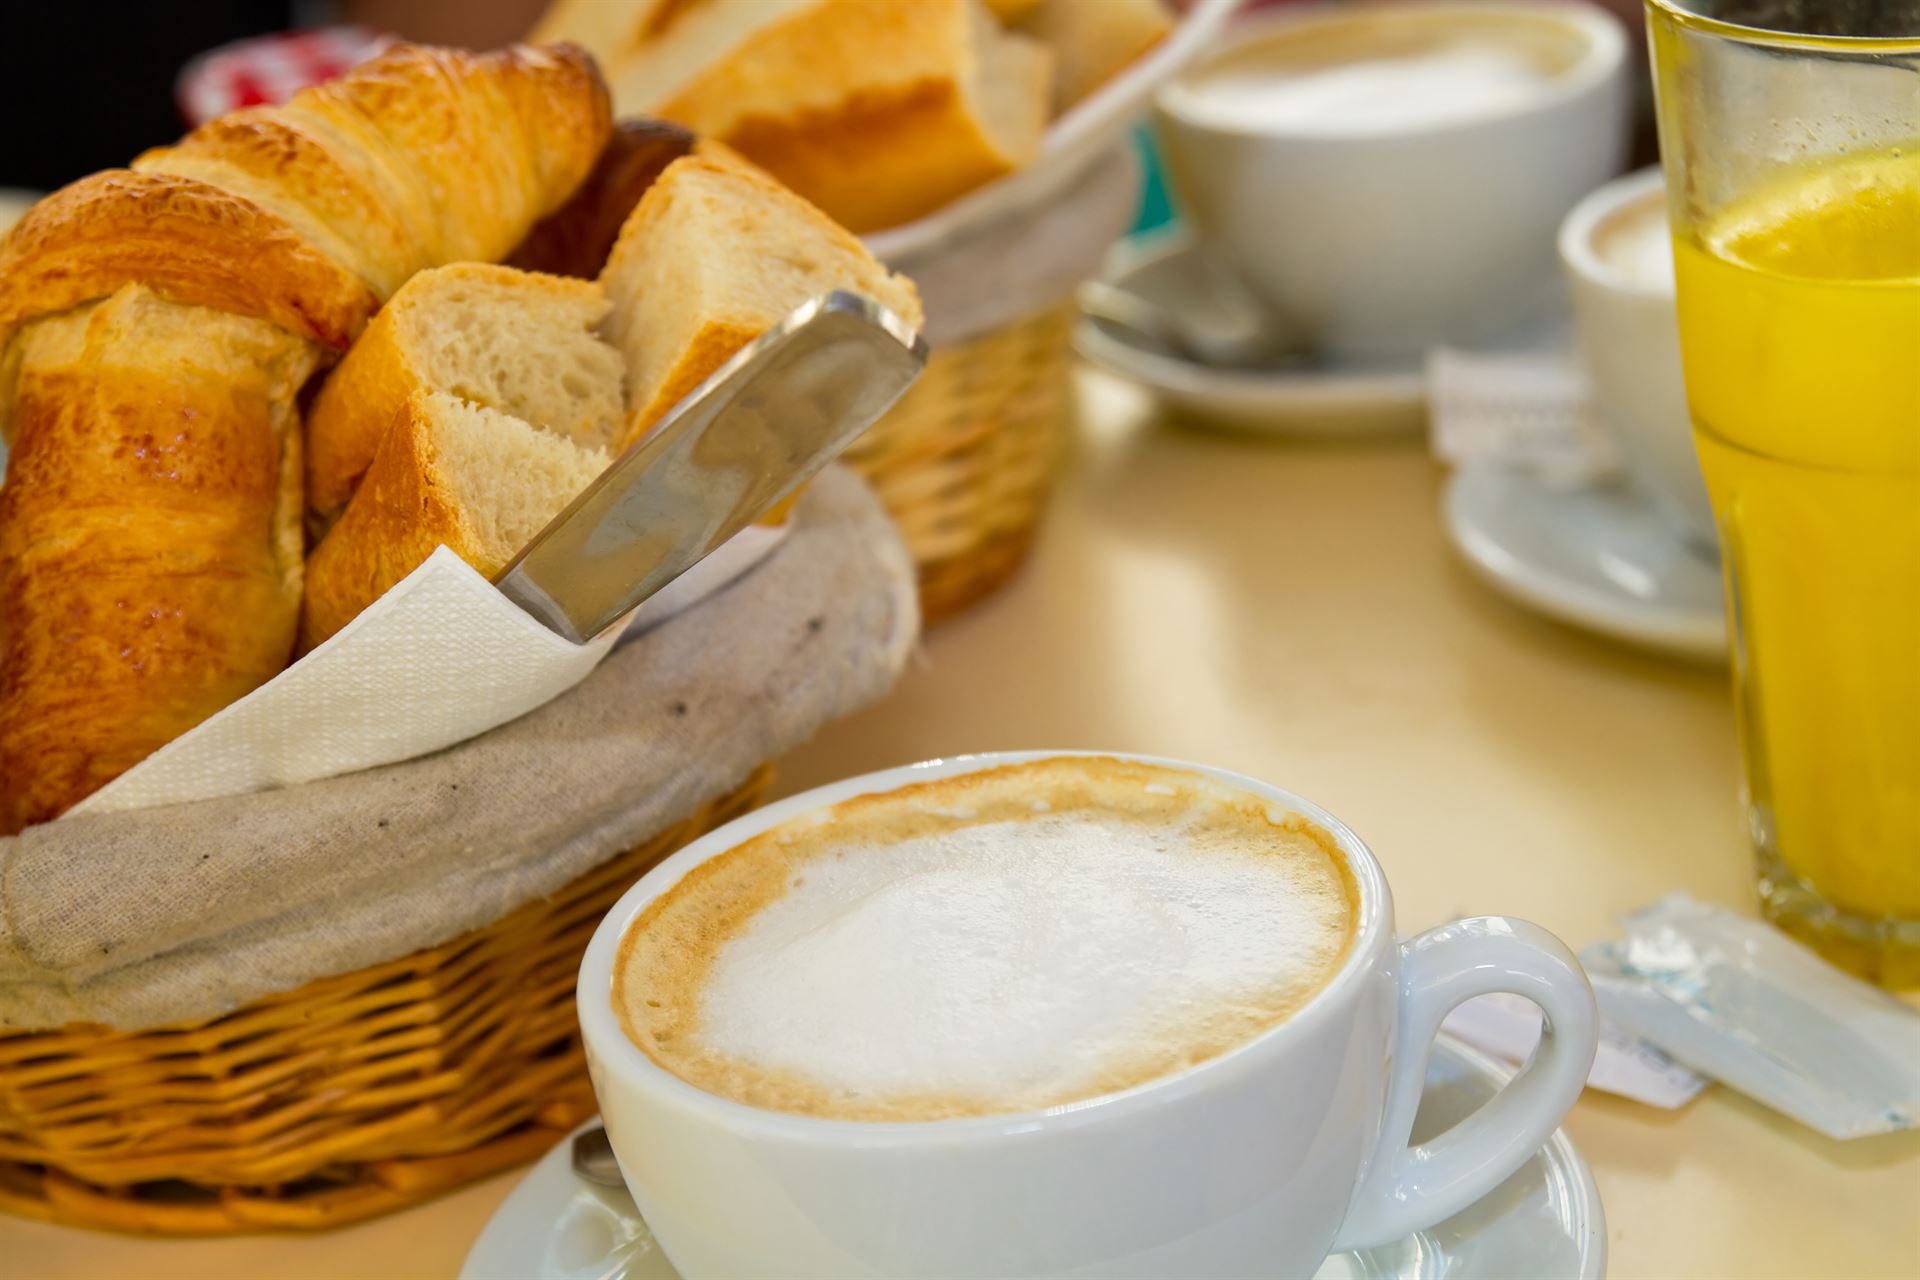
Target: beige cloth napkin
{"type": "Point", "coordinates": [183, 912]}
{"type": "Point", "coordinates": [1027, 258]}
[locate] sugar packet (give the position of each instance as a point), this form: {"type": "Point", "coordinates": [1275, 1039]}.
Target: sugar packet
{"type": "Point", "coordinates": [1740, 1001]}
{"type": "Point", "coordinates": [1508, 1027]}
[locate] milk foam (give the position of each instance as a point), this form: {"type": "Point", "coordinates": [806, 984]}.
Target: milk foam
{"type": "Point", "coordinates": [1636, 243]}
{"type": "Point", "coordinates": [1009, 961]}
{"type": "Point", "coordinates": [1371, 93]}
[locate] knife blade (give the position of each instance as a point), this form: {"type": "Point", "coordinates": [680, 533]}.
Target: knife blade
{"type": "Point", "coordinates": [766, 421]}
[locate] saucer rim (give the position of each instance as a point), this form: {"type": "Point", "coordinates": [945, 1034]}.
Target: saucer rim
{"type": "Point", "coordinates": [1312, 402]}
{"type": "Point", "coordinates": [1296, 404]}
{"type": "Point", "coordinates": [1698, 636]}
{"type": "Point", "coordinates": [1584, 1219]}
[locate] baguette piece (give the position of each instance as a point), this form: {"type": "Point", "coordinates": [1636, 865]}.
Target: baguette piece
{"type": "Point", "coordinates": [515, 341]}
{"type": "Point", "coordinates": [448, 472]}
{"type": "Point", "coordinates": [1093, 40]}
{"type": "Point", "coordinates": [604, 28]}
{"type": "Point", "coordinates": [714, 255]}
{"type": "Point", "coordinates": [663, 44]}
{"type": "Point", "coordinates": [877, 111]}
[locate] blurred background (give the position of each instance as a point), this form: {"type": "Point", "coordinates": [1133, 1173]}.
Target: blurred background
{"type": "Point", "coordinates": [116, 75]}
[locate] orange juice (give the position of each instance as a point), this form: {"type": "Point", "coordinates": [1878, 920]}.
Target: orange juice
{"type": "Point", "coordinates": [1800, 325]}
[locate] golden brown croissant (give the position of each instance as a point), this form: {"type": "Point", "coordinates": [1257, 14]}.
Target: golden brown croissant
{"type": "Point", "coordinates": [156, 327]}
{"type": "Point", "coordinates": [418, 158]}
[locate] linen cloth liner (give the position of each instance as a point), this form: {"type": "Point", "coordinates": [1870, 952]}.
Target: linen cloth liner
{"type": "Point", "coordinates": [184, 912]}
{"type": "Point", "coordinates": [1008, 267]}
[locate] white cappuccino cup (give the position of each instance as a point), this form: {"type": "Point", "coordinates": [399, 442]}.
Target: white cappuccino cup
{"type": "Point", "coordinates": [1255, 1161]}
{"type": "Point", "coordinates": [1388, 177]}
{"type": "Point", "coordinates": [1617, 252]}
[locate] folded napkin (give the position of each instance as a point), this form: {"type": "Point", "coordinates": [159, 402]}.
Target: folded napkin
{"type": "Point", "coordinates": [186, 911]}
{"type": "Point", "coordinates": [1529, 409]}
{"type": "Point", "coordinates": [440, 657]}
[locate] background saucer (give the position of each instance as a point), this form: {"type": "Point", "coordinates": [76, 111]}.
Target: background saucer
{"type": "Point", "coordinates": [1599, 558]}
{"type": "Point", "coordinates": [1332, 399]}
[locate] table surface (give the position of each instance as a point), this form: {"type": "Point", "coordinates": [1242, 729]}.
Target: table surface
{"type": "Point", "coordinates": [1292, 612]}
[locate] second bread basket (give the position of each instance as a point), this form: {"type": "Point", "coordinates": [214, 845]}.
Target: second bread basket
{"type": "Point", "coordinates": [964, 463]}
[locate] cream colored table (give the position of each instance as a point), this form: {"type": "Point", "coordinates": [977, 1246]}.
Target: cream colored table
{"type": "Point", "coordinates": [1292, 612]}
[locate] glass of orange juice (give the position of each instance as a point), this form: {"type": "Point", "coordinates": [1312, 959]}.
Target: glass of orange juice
{"type": "Point", "coordinates": [1790, 133]}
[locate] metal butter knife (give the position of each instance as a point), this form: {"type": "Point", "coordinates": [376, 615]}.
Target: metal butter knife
{"type": "Point", "coordinates": [764, 423]}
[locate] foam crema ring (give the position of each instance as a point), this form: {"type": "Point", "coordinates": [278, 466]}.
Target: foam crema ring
{"type": "Point", "coordinates": [1636, 245]}
{"type": "Point", "coordinates": [1361, 73]}
{"type": "Point", "coordinates": [1000, 941]}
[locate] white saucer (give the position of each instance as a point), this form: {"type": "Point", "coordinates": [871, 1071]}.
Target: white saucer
{"type": "Point", "coordinates": [1544, 1223]}
{"type": "Point", "coordinates": [1599, 558]}
{"type": "Point", "coordinates": [1329, 400]}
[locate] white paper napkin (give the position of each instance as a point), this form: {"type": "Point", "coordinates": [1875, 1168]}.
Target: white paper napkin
{"type": "Point", "coordinates": [1530, 409]}
{"type": "Point", "coordinates": [441, 657]}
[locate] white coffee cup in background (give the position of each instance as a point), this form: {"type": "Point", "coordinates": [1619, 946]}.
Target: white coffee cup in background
{"type": "Point", "coordinates": [1617, 253]}
{"type": "Point", "coordinates": [1388, 177]}
{"type": "Point", "coordinates": [1255, 1161]}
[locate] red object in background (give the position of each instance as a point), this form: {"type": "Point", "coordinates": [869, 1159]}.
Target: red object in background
{"type": "Point", "coordinates": [269, 69]}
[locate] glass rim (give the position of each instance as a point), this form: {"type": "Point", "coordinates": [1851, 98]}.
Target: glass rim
{"type": "Point", "coordinates": [1741, 33]}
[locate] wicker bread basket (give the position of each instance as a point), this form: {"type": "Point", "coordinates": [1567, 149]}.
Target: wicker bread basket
{"type": "Point", "coordinates": [301, 1006]}
{"type": "Point", "coordinates": [964, 463]}
{"type": "Point", "coordinates": [348, 1097]}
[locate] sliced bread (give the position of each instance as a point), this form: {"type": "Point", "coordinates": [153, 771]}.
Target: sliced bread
{"type": "Point", "coordinates": [1092, 40]}
{"type": "Point", "coordinates": [515, 341]}
{"type": "Point", "coordinates": [660, 46]}
{"type": "Point", "coordinates": [878, 111]}
{"type": "Point", "coordinates": [447, 471]}
{"type": "Point", "coordinates": [715, 254]}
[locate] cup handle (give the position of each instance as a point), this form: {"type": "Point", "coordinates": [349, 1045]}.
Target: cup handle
{"type": "Point", "coordinates": [1406, 1189]}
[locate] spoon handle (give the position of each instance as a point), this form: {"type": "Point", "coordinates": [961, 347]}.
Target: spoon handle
{"type": "Point", "coordinates": [593, 1159]}
{"type": "Point", "coordinates": [1127, 310]}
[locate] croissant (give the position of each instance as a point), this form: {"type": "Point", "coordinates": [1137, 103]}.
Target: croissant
{"type": "Point", "coordinates": [157, 326]}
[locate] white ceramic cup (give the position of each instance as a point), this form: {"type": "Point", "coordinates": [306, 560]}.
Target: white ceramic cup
{"type": "Point", "coordinates": [1378, 244]}
{"type": "Point", "coordinates": [1629, 340]}
{"type": "Point", "coordinates": [1254, 1163]}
